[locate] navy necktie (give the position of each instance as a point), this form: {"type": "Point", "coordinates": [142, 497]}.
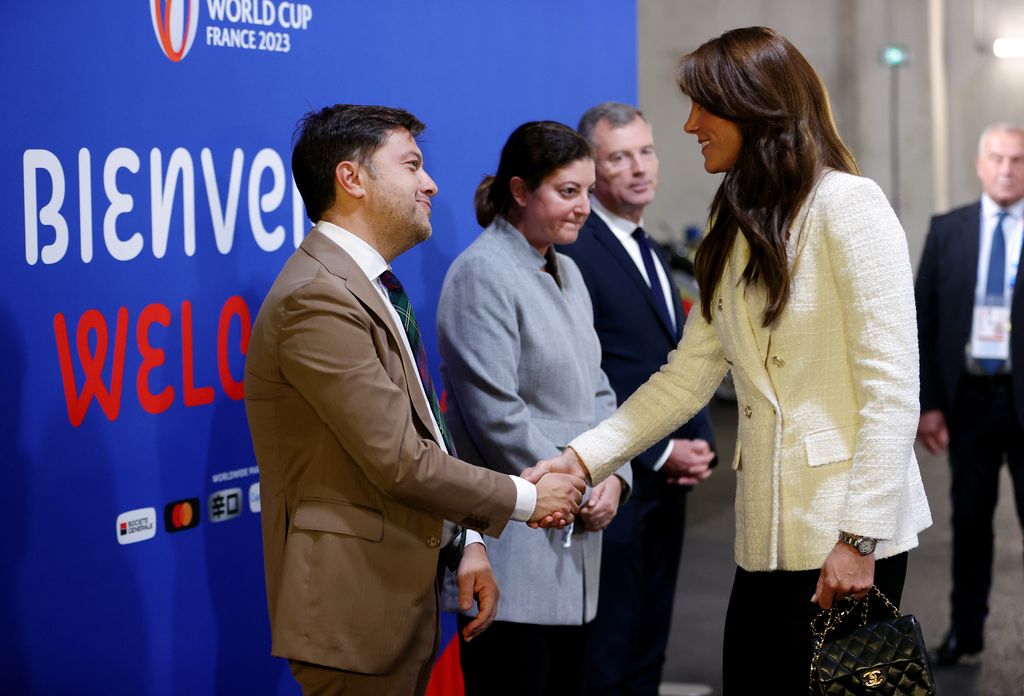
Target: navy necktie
{"type": "Point", "coordinates": [995, 281]}
{"type": "Point", "coordinates": [655, 281]}
{"type": "Point", "coordinates": [400, 301]}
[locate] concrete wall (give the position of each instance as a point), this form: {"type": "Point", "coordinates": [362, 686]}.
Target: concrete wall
{"type": "Point", "coordinates": [842, 39]}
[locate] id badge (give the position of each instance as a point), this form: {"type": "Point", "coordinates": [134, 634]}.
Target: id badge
{"type": "Point", "coordinates": [990, 334]}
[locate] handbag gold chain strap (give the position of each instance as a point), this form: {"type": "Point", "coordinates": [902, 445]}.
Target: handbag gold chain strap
{"type": "Point", "coordinates": [834, 617]}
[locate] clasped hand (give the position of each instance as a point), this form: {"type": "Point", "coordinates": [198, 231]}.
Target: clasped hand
{"type": "Point", "coordinates": [689, 462]}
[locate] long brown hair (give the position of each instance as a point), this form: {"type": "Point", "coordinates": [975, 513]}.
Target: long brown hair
{"type": "Point", "coordinates": [757, 79]}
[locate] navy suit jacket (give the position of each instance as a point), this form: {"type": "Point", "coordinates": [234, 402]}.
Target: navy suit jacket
{"type": "Point", "coordinates": [635, 341]}
{"type": "Point", "coordinates": [944, 291]}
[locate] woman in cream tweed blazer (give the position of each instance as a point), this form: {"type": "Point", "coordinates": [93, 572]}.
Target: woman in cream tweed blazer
{"type": "Point", "coordinates": [807, 296]}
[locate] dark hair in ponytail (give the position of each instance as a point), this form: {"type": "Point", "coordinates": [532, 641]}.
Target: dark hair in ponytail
{"type": "Point", "coordinates": [532, 152]}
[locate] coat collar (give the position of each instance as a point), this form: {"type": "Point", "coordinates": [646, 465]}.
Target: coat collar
{"type": "Point", "coordinates": [515, 245]}
{"type": "Point", "coordinates": [339, 263]}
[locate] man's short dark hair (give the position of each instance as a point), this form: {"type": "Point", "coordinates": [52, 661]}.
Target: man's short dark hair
{"type": "Point", "coordinates": [340, 133]}
{"type": "Point", "coordinates": [616, 114]}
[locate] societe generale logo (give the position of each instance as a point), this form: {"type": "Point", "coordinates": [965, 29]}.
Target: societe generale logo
{"type": "Point", "coordinates": [175, 23]}
{"type": "Point", "coordinates": [136, 525]}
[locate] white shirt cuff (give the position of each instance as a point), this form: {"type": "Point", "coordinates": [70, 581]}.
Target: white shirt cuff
{"type": "Point", "coordinates": [473, 537]}
{"type": "Point", "coordinates": [526, 499]}
{"type": "Point", "coordinates": [664, 456]}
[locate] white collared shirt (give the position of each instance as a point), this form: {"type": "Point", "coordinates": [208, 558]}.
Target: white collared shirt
{"type": "Point", "coordinates": [623, 230]}
{"type": "Point", "coordinates": [372, 264]}
{"type": "Point", "coordinates": [1013, 232]}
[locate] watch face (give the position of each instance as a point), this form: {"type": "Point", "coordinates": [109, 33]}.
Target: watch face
{"type": "Point", "coordinates": [866, 546]}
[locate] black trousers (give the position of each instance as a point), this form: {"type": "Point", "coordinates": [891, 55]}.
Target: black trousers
{"type": "Point", "coordinates": [984, 431]}
{"type": "Point", "coordinates": [515, 659]}
{"type": "Point", "coordinates": [640, 553]}
{"type": "Point", "coordinates": [768, 645]}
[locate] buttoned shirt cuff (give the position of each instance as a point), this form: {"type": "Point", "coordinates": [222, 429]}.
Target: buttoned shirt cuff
{"type": "Point", "coordinates": [473, 537]}
{"type": "Point", "coordinates": [664, 456]}
{"type": "Point", "coordinates": [526, 499]}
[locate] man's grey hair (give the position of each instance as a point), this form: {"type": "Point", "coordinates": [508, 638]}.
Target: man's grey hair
{"type": "Point", "coordinates": [617, 114]}
{"type": "Point", "coordinates": [994, 128]}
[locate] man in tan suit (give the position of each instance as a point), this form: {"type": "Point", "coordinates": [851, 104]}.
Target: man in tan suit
{"type": "Point", "coordinates": [356, 473]}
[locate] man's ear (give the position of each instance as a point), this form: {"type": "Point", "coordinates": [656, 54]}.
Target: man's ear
{"type": "Point", "coordinates": [349, 176]}
{"type": "Point", "coordinates": [517, 187]}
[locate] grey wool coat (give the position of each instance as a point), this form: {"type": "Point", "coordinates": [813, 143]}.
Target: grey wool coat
{"type": "Point", "coordinates": [522, 369]}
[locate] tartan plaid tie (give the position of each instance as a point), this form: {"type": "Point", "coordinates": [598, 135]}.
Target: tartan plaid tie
{"type": "Point", "coordinates": [401, 303]}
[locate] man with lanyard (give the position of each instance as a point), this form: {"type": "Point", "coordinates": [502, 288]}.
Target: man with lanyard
{"type": "Point", "coordinates": [972, 394]}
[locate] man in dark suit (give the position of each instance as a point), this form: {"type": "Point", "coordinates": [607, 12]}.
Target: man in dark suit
{"type": "Point", "coordinates": [972, 385]}
{"type": "Point", "coordinates": [357, 473]}
{"type": "Point", "coordinates": [639, 319]}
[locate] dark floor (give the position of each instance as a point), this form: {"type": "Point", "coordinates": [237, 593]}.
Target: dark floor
{"type": "Point", "coordinates": [694, 654]}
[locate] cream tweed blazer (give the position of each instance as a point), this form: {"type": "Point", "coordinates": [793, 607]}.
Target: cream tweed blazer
{"type": "Point", "coordinates": [827, 396]}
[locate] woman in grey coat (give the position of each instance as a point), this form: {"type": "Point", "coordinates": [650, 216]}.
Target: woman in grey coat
{"type": "Point", "coordinates": [522, 369]}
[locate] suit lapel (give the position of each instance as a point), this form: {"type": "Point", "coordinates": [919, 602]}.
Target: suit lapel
{"type": "Point", "coordinates": [967, 248]}
{"type": "Point", "coordinates": [610, 242]}
{"type": "Point", "coordinates": [1016, 285]}
{"type": "Point", "coordinates": [674, 296]}
{"type": "Point", "coordinates": [963, 252]}
{"type": "Point", "coordinates": [340, 264]}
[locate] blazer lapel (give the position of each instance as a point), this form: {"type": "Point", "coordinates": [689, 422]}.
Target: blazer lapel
{"type": "Point", "coordinates": [610, 242]}
{"type": "Point", "coordinates": [752, 300]}
{"type": "Point", "coordinates": [752, 339]}
{"type": "Point", "coordinates": [340, 264]}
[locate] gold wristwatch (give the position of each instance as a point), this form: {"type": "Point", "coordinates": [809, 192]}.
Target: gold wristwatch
{"type": "Point", "coordinates": [864, 545]}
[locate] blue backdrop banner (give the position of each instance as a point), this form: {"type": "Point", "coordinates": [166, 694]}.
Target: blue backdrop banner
{"type": "Point", "coordinates": [149, 204]}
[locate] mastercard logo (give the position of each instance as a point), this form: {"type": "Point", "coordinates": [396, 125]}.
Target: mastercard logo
{"type": "Point", "coordinates": [181, 515]}
{"type": "Point", "coordinates": [175, 23]}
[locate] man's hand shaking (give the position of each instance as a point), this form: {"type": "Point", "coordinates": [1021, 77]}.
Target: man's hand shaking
{"type": "Point", "coordinates": [566, 467]}
{"type": "Point", "coordinates": [558, 499]}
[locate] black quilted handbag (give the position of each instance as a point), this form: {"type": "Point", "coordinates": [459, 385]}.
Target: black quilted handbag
{"type": "Point", "coordinates": [882, 657]}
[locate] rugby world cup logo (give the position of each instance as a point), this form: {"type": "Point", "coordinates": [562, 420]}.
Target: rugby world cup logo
{"type": "Point", "coordinates": [175, 22]}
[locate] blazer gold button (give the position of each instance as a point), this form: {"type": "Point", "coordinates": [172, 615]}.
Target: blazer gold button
{"type": "Point", "coordinates": [779, 362]}
{"type": "Point", "coordinates": [747, 411]}
{"type": "Point", "coordinates": [433, 542]}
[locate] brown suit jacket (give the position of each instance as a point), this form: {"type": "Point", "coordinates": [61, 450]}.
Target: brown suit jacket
{"type": "Point", "coordinates": [354, 488]}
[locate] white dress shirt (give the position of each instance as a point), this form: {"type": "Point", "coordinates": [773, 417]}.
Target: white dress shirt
{"type": "Point", "coordinates": [372, 264]}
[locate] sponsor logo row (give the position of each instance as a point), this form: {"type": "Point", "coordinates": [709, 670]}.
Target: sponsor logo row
{"type": "Point", "coordinates": [223, 505]}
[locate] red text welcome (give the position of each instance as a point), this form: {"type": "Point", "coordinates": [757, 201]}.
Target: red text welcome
{"type": "Point", "coordinates": [93, 361]}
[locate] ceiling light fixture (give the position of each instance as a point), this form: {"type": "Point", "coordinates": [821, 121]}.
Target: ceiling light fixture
{"type": "Point", "coordinates": [1008, 47]}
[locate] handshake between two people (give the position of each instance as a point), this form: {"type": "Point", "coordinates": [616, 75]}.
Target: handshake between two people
{"type": "Point", "coordinates": [561, 482]}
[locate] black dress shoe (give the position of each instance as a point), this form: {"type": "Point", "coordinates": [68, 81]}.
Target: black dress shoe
{"type": "Point", "coordinates": [953, 648]}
